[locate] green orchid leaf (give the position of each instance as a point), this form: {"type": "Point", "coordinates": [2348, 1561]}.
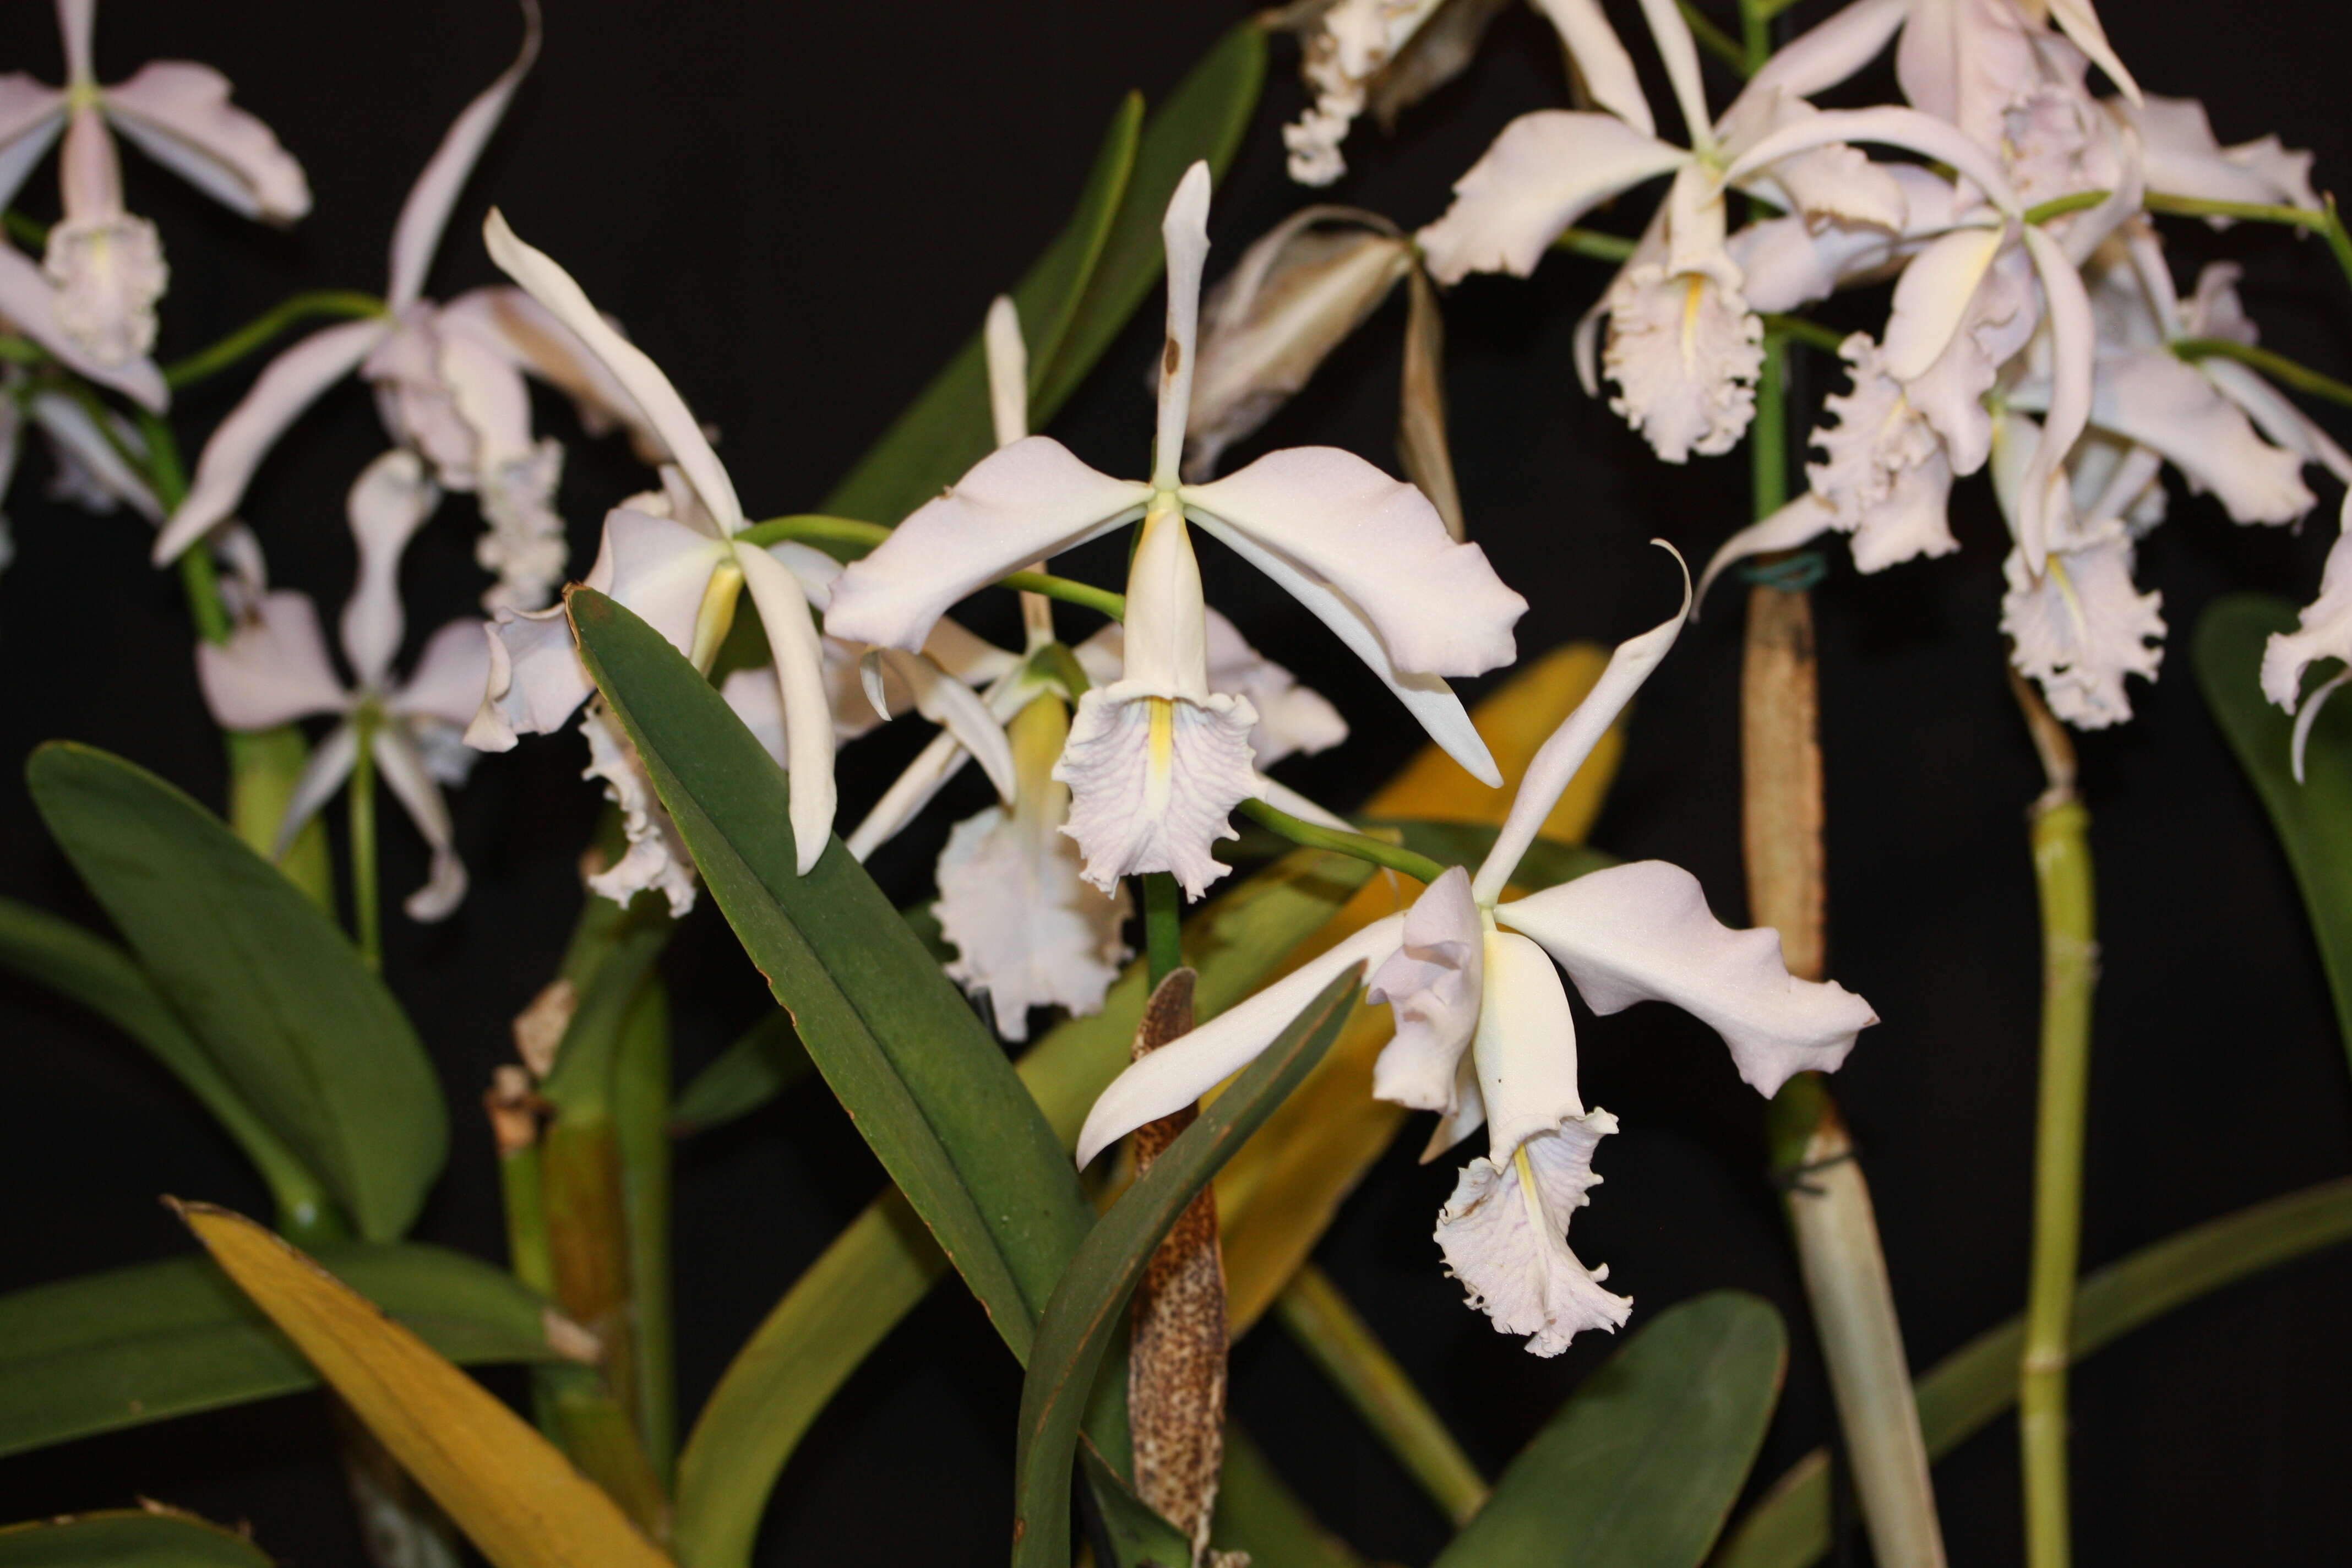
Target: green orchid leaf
{"type": "Point", "coordinates": [930, 1091]}
{"type": "Point", "coordinates": [2312, 819]}
{"type": "Point", "coordinates": [151, 1537]}
{"type": "Point", "coordinates": [1642, 1463]}
{"type": "Point", "coordinates": [878, 1268]}
{"type": "Point", "coordinates": [766, 1060]}
{"type": "Point", "coordinates": [1089, 1304]}
{"type": "Point", "coordinates": [158, 1339]}
{"type": "Point", "coordinates": [62, 957]}
{"type": "Point", "coordinates": [1962, 1394]}
{"type": "Point", "coordinates": [1202, 119]}
{"type": "Point", "coordinates": [948, 427]}
{"type": "Point", "coordinates": [304, 1032]}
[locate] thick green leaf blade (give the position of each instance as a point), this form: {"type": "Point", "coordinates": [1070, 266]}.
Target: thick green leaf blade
{"type": "Point", "coordinates": [127, 1538]}
{"type": "Point", "coordinates": [1203, 118]}
{"type": "Point", "coordinates": [878, 1268]}
{"type": "Point", "coordinates": [948, 427]}
{"type": "Point", "coordinates": [764, 1061]}
{"type": "Point", "coordinates": [929, 1090]}
{"type": "Point", "coordinates": [309, 1038]}
{"type": "Point", "coordinates": [2314, 819]}
{"type": "Point", "coordinates": [1642, 1463]}
{"type": "Point", "coordinates": [62, 957]}
{"type": "Point", "coordinates": [157, 1340]}
{"type": "Point", "coordinates": [1091, 1300]}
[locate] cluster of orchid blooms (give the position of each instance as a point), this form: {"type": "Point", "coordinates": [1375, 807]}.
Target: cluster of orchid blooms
{"type": "Point", "coordinates": [2030, 331]}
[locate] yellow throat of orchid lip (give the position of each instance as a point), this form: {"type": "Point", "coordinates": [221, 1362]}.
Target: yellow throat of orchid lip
{"type": "Point", "coordinates": [1159, 754]}
{"type": "Point", "coordinates": [715, 617]}
{"type": "Point", "coordinates": [1529, 1194]}
{"type": "Point", "coordinates": [1692, 299]}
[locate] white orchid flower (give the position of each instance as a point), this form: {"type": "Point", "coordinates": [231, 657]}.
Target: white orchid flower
{"type": "Point", "coordinates": [107, 265]}
{"type": "Point", "coordinates": [274, 670]}
{"type": "Point", "coordinates": [449, 379]}
{"type": "Point", "coordinates": [1685, 345]}
{"type": "Point", "coordinates": [1157, 759]}
{"type": "Point", "coordinates": [680, 572]}
{"type": "Point", "coordinates": [1484, 1032]}
{"type": "Point", "coordinates": [2324, 630]}
{"type": "Point", "coordinates": [2183, 158]}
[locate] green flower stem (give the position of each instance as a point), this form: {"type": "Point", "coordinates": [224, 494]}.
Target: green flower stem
{"type": "Point", "coordinates": [641, 1077]}
{"type": "Point", "coordinates": [1712, 38]}
{"type": "Point", "coordinates": [2277, 366]}
{"type": "Point", "coordinates": [1593, 243]}
{"type": "Point", "coordinates": [1965, 1392]}
{"type": "Point", "coordinates": [367, 914]}
{"type": "Point", "coordinates": [1163, 925]}
{"type": "Point", "coordinates": [1326, 1326]}
{"type": "Point", "coordinates": [1796, 329]}
{"type": "Point", "coordinates": [1358, 846]}
{"type": "Point", "coordinates": [1100, 600]}
{"type": "Point", "coordinates": [1755, 38]}
{"type": "Point", "coordinates": [2059, 206]}
{"type": "Point", "coordinates": [258, 331]}
{"type": "Point", "coordinates": [2061, 870]}
{"type": "Point", "coordinates": [25, 230]}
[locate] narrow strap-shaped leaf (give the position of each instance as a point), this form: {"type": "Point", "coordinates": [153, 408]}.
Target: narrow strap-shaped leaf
{"type": "Point", "coordinates": [882, 1263]}
{"type": "Point", "coordinates": [947, 428]}
{"type": "Point", "coordinates": [1201, 120]}
{"type": "Point", "coordinates": [504, 1485]}
{"type": "Point", "coordinates": [2313, 817]}
{"type": "Point", "coordinates": [929, 1090]}
{"type": "Point", "coordinates": [307, 1037]}
{"type": "Point", "coordinates": [62, 957]}
{"type": "Point", "coordinates": [766, 1060]}
{"type": "Point", "coordinates": [1642, 1463]}
{"type": "Point", "coordinates": [1088, 1303]}
{"type": "Point", "coordinates": [151, 1537]}
{"type": "Point", "coordinates": [157, 1340]}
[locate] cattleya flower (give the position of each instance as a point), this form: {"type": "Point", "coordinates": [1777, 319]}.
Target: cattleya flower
{"type": "Point", "coordinates": [1158, 758]}
{"type": "Point", "coordinates": [448, 380]}
{"type": "Point", "coordinates": [274, 670]}
{"type": "Point", "coordinates": [107, 265]}
{"type": "Point", "coordinates": [1484, 1032]}
{"type": "Point", "coordinates": [674, 560]}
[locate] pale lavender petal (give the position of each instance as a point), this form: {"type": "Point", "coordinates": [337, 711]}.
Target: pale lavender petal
{"type": "Point", "coordinates": [425, 214]}
{"type": "Point", "coordinates": [179, 114]}
{"type": "Point", "coordinates": [388, 503]}
{"type": "Point", "coordinates": [273, 670]}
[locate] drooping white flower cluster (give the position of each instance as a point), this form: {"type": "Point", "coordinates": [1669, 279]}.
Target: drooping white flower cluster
{"type": "Point", "coordinates": [2036, 331]}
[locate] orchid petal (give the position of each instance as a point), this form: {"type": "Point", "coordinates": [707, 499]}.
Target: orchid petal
{"type": "Point", "coordinates": [647, 388]}
{"type": "Point", "coordinates": [2324, 629]}
{"type": "Point", "coordinates": [800, 687]}
{"type": "Point", "coordinates": [1291, 718]}
{"type": "Point", "coordinates": [293, 380]}
{"type": "Point", "coordinates": [30, 303]}
{"type": "Point", "coordinates": [1504, 1237]}
{"type": "Point", "coordinates": [1017, 505]}
{"type": "Point", "coordinates": [656, 858]}
{"type": "Point", "coordinates": [1543, 172]}
{"type": "Point", "coordinates": [1184, 233]}
{"type": "Point", "coordinates": [2156, 400]}
{"type": "Point", "coordinates": [1152, 779]}
{"type": "Point", "coordinates": [404, 773]}
{"type": "Point", "coordinates": [2079, 22]}
{"type": "Point", "coordinates": [1932, 299]}
{"type": "Point", "coordinates": [1526, 1045]}
{"type": "Point", "coordinates": [1966, 61]}
{"type": "Point", "coordinates": [2073, 341]}
{"type": "Point", "coordinates": [536, 680]}
{"type": "Point", "coordinates": [527, 334]}
{"type": "Point", "coordinates": [31, 115]}
{"type": "Point", "coordinates": [1008, 371]}
{"type": "Point", "coordinates": [957, 709]}
{"type": "Point", "coordinates": [1554, 763]}
{"type": "Point", "coordinates": [1166, 633]}
{"type": "Point", "coordinates": [940, 759]}
{"type": "Point", "coordinates": [1188, 1066]}
{"type": "Point", "coordinates": [660, 569]}
{"type": "Point", "coordinates": [2080, 625]}
{"type": "Point", "coordinates": [179, 114]}
{"type": "Point", "coordinates": [81, 440]}
{"type": "Point", "coordinates": [330, 763]}
{"type": "Point", "coordinates": [425, 214]}
{"type": "Point", "coordinates": [1431, 983]}
{"type": "Point", "coordinates": [1673, 37]}
{"type": "Point", "coordinates": [1833, 50]}
{"type": "Point", "coordinates": [450, 676]}
{"type": "Point", "coordinates": [273, 670]}
{"type": "Point", "coordinates": [1601, 60]}
{"type": "Point", "coordinates": [2276, 415]}
{"type": "Point", "coordinates": [1800, 521]}
{"type": "Point", "coordinates": [2182, 157]}
{"type": "Point", "coordinates": [1436, 605]}
{"type": "Point", "coordinates": [1890, 126]}
{"type": "Point", "coordinates": [2309, 716]}
{"type": "Point", "coordinates": [1643, 931]}
{"type": "Point", "coordinates": [388, 503]}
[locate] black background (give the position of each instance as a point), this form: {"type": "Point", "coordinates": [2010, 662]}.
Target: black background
{"type": "Point", "coordinates": [800, 211]}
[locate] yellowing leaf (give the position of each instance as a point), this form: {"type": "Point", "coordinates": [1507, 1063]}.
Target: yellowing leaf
{"type": "Point", "coordinates": [517, 1497]}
